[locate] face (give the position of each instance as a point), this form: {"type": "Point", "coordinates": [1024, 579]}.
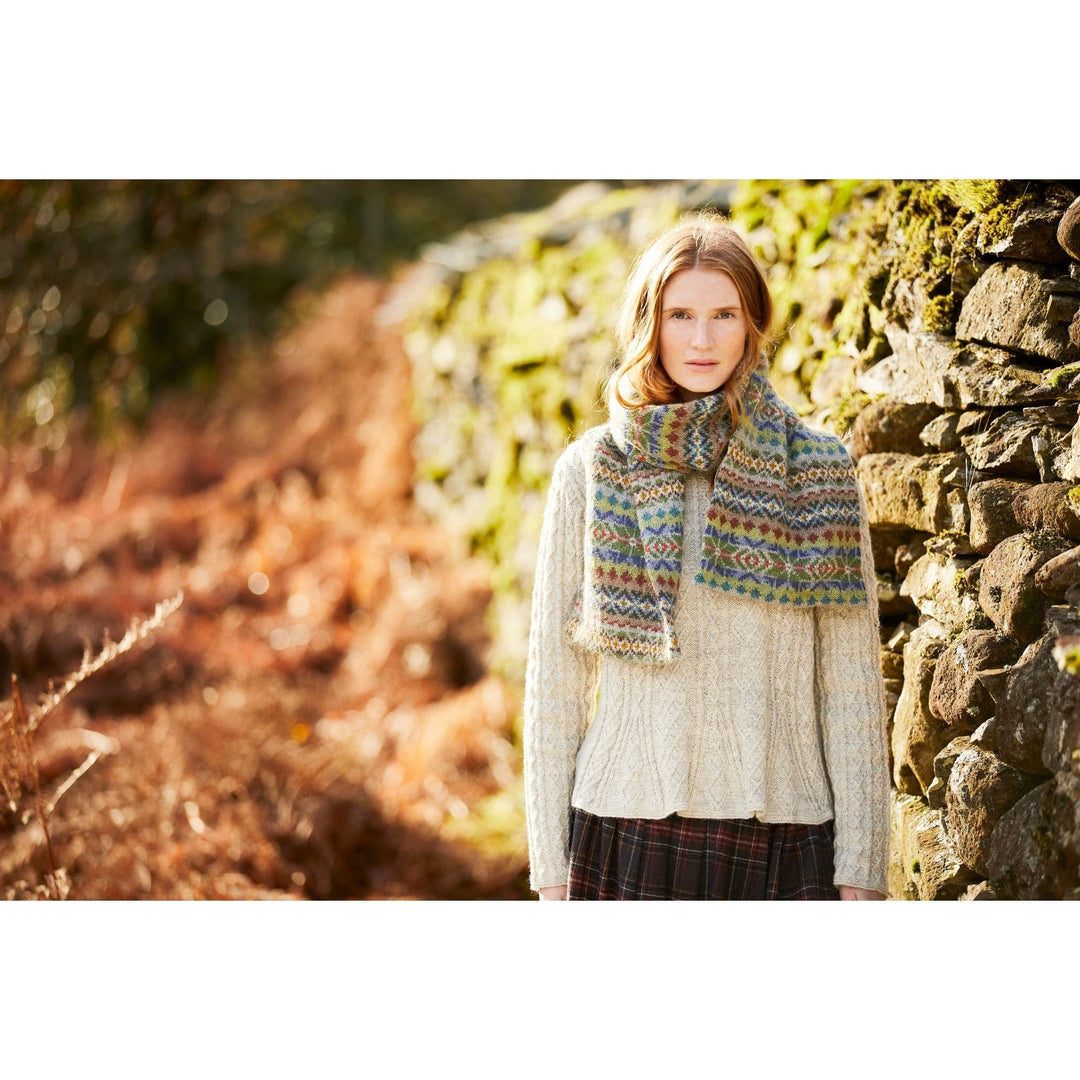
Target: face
{"type": "Point", "coordinates": [702, 331]}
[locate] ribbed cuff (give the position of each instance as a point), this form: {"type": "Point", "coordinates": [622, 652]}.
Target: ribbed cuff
{"type": "Point", "coordinates": [860, 880]}
{"type": "Point", "coordinates": [548, 879]}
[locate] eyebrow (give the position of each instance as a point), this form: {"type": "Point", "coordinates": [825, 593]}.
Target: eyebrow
{"type": "Point", "coordinates": [685, 307]}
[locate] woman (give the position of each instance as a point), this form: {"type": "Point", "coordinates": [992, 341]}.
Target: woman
{"type": "Point", "coordinates": [704, 712]}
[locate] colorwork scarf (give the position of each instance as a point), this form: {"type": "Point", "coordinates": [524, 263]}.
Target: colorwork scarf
{"type": "Point", "coordinates": [782, 524]}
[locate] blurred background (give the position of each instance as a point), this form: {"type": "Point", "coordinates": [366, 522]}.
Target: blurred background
{"type": "Point", "coordinates": [116, 290]}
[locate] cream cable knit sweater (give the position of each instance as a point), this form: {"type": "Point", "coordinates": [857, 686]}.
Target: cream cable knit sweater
{"type": "Point", "coordinates": [771, 712]}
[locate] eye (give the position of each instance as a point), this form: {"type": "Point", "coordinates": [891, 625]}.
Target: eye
{"type": "Point", "coordinates": [679, 315]}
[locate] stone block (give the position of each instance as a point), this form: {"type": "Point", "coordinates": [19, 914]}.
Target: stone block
{"type": "Point", "coordinates": [937, 370]}
{"type": "Point", "coordinates": [1061, 746]}
{"type": "Point", "coordinates": [1033, 237]}
{"type": "Point", "coordinates": [1006, 445]}
{"type": "Point", "coordinates": [892, 664]}
{"type": "Point", "coordinates": [981, 789]}
{"type": "Point", "coordinates": [909, 553]}
{"type": "Point", "coordinates": [985, 735]}
{"type": "Point", "coordinates": [924, 493]}
{"type": "Point", "coordinates": [1007, 307]}
{"type": "Point", "coordinates": [940, 433]}
{"type": "Point", "coordinates": [943, 763]}
{"type": "Point", "coordinates": [1060, 414]}
{"type": "Point", "coordinates": [991, 378]}
{"type": "Point", "coordinates": [1067, 461]}
{"type": "Point", "coordinates": [990, 506]}
{"type": "Point", "coordinates": [917, 735]}
{"type": "Point", "coordinates": [1068, 230]}
{"type": "Point", "coordinates": [1062, 308]}
{"type": "Point", "coordinates": [957, 694]}
{"type": "Point", "coordinates": [1030, 699]}
{"type": "Point", "coordinates": [1007, 590]}
{"type": "Point", "coordinates": [917, 370]}
{"type": "Point", "coordinates": [936, 585]}
{"type": "Point", "coordinates": [1035, 847]}
{"type": "Point", "coordinates": [1059, 574]}
{"type": "Point", "coordinates": [1046, 508]}
{"type": "Point", "coordinates": [922, 865]}
{"type": "Point", "coordinates": [891, 425]}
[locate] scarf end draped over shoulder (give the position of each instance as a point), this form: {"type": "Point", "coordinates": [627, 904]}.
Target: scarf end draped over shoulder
{"type": "Point", "coordinates": [782, 526]}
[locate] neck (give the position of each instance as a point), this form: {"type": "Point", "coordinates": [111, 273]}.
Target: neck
{"type": "Point", "coordinates": [696, 395]}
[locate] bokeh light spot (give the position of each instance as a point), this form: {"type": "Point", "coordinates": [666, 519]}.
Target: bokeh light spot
{"type": "Point", "coordinates": [417, 660]}
{"type": "Point", "coordinates": [126, 340]}
{"type": "Point", "coordinates": [99, 326]}
{"type": "Point", "coordinates": [217, 311]}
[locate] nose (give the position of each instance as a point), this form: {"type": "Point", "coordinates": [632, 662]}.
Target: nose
{"type": "Point", "coordinates": [701, 333]}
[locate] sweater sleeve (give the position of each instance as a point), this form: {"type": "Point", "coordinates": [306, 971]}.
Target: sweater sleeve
{"type": "Point", "coordinates": [851, 703]}
{"type": "Point", "coordinates": [560, 679]}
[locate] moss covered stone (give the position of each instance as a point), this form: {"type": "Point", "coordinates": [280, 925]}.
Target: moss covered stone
{"type": "Point", "coordinates": [975, 195]}
{"type": "Point", "coordinates": [997, 223]}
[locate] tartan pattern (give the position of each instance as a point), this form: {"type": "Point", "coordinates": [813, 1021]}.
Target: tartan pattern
{"type": "Point", "coordinates": [783, 522]}
{"type": "Point", "coordinates": [677, 858]}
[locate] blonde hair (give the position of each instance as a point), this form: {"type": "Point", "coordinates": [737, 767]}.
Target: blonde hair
{"type": "Point", "coordinates": [705, 242]}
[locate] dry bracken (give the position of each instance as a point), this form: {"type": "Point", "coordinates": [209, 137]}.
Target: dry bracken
{"type": "Point", "coordinates": [19, 780]}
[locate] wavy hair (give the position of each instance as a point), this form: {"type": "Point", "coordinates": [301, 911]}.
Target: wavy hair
{"type": "Point", "coordinates": [703, 241]}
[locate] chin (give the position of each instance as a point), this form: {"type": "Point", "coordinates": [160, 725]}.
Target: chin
{"type": "Point", "coordinates": [705, 386]}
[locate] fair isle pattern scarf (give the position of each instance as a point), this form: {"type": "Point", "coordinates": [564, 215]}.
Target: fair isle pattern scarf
{"type": "Point", "coordinates": [782, 524]}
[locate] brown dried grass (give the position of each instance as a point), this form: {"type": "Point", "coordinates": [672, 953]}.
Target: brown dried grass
{"type": "Point", "coordinates": [20, 775]}
{"type": "Point", "coordinates": [319, 737]}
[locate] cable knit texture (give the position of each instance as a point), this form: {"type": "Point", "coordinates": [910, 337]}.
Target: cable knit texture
{"type": "Point", "coordinates": [772, 711]}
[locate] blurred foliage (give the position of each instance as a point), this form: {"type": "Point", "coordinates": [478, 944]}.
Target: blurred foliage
{"type": "Point", "coordinates": [813, 238]}
{"type": "Point", "coordinates": [111, 290]}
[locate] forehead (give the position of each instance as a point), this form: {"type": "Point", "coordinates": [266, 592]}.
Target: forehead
{"type": "Point", "coordinates": [700, 288]}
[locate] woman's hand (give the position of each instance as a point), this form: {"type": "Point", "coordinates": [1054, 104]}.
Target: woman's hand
{"type": "Point", "coordinates": [853, 892]}
{"type": "Point", "coordinates": [553, 892]}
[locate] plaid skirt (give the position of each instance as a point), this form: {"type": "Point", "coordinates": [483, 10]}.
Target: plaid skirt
{"type": "Point", "coordinates": [678, 858]}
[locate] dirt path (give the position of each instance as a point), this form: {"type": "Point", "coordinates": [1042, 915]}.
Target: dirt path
{"type": "Point", "coordinates": [316, 717]}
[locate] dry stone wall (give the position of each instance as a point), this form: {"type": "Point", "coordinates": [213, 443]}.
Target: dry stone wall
{"type": "Point", "coordinates": [934, 325]}
{"type": "Point", "coordinates": [969, 456]}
